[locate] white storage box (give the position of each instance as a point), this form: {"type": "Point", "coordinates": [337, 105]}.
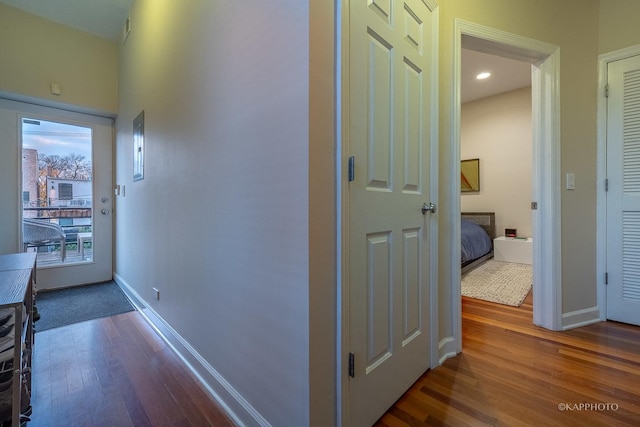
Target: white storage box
{"type": "Point", "coordinates": [513, 249]}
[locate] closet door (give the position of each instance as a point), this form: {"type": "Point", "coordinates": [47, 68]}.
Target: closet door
{"type": "Point", "coordinates": [623, 196]}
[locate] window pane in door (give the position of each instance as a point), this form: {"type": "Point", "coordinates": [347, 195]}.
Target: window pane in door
{"type": "Point", "coordinates": [57, 191]}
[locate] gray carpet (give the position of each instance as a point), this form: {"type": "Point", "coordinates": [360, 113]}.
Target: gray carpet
{"type": "Point", "coordinates": [72, 305]}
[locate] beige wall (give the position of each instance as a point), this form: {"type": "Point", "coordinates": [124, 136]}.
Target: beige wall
{"type": "Point", "coordinates": [322, 215]}
{"type": "Point", "coordinates": [497, 130]}
{"type": "Point", "coordinates": [573, 26]}
{"type": "Point", "coordinates": [220, 224]}
{"type": "Point", "coordinates": [618, 24]}
{"type": "Point", "coordinates": [35, 52]}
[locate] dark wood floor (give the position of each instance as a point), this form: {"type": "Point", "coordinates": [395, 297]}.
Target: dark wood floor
{"type": "Point", "coordinates": [512, 373]}
{"type": "Point", "coordinates": [117, 372]}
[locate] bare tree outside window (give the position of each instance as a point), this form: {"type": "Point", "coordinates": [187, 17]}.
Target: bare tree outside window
{"type": "Point", "coordinates": [70, 166]}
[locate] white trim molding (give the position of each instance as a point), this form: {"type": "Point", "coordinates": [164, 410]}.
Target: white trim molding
{"type": "Point", "coordinates": [236, 406]}
{"type": "Point", "coordinates": [434, 157]}
{"type": "Point", "coordinates": [547, 253]}
{"type": "Point", "coordinates": [545, 76]}
{"type": "Point", "coordinates": [578, 318]}
{"type": "Point", "coordinates": [446, 349]}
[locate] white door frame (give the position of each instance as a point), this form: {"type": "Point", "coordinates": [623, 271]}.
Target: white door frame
{"type": "Point", "coordinates": [545, 85]}
{"type": "Point", "coordinates": [601, 172]}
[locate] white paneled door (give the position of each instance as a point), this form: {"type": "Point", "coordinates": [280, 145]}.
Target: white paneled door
{"type": "Point", "coordinates": [391, 69]}
{"type": "Point", "coordinates": [623, 195]}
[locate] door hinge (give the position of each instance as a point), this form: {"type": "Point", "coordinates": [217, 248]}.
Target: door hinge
{"type": "Point", "coordinates": [606, 278]}
{"type": "Point", "coordinates": [352, 365]}
{"type": "Point", "coordinates": [606, 184]}
{"type": "Point", "coordinates": [352, 168]}
{"type": "Point", "coordinates": [606, 90]}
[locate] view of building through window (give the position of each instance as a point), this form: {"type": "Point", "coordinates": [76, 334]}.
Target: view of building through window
{"type": "Point", "coordinates": [57, 191]}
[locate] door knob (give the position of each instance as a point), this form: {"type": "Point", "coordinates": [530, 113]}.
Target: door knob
{"type": "Point", "coordinates": [428, 208]}
{"type": "Point", "coordinates": [104, 211]}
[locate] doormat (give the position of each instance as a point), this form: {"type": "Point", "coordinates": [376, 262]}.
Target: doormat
{"type": "Point", "coordinates": [72, 305]}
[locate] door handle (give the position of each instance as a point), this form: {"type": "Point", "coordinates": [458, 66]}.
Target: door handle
{"type": "Point", "coordinates": [104, 211]}
{"type": "Point", "coordinates": [428, 208]}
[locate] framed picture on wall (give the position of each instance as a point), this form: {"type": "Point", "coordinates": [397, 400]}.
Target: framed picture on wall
{"type": "Point", "coordinates": [138, 147]}
{"type": "Point", "coordinates": [470, 175]}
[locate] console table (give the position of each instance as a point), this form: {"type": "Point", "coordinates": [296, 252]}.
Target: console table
{"type": "Point", "coordinates": [17, 278]}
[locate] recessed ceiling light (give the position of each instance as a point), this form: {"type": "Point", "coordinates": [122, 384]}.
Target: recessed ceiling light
{"type": "Point", "coordinates": [483, 76]}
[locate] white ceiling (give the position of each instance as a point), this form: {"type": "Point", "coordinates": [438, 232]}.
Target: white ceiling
{"type": "Point", "coordinates": [103, 18]}
{"type": "Point", "coordinates": [506, 75]}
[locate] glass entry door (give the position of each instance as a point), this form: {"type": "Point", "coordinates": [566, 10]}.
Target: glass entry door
{"type": "Point", "coordinates": [66, 193]}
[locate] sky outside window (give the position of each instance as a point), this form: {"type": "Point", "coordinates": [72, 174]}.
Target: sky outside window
{"type": "Point", "coordinates": [60, 139]}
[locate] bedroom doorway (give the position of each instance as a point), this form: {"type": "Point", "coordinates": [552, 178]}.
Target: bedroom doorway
{"type": "Point", "coordinates": [496, 178]}
{"type": "Point", "coordinates": [545, 183]}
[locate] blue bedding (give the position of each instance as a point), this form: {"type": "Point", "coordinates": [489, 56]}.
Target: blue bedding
{"type": "Point", "coordinates": [475, 241]}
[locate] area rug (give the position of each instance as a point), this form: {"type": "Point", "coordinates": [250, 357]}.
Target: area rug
{"type": "Point", "coordinates": [506, 283]}
{"type": "Point", "coordinates": [72, 305]}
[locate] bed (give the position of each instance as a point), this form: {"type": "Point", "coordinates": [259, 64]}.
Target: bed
{"type": "Point", "coordinates": [478, 229]}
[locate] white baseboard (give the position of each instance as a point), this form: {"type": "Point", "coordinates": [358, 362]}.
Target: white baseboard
{"type": "Point", "coordinates": [578, 318]}
{"type": "Point", "coordinates": [236, 406]}
{"type": "Point", "coordinates": [446, 349]}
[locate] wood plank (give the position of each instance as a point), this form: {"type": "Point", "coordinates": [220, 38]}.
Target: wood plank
{"type": "Point", "coordinates": [512, 372]}
{"type": "Point", "coordinates": [115, 372]}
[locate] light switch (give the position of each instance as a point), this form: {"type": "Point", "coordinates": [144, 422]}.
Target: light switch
{"type": "Point", "coordinates": [571, 181]}
{"type": "Point", "coordinates": [55, 88]}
